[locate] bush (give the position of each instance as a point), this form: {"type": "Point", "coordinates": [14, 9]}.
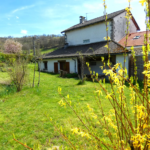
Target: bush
{"type": "Point", "coordinates": [2, 64]}
{"type": "Point", "coordinates": [3, 69]}
{"type": "Point", "coordinates": [12, 46]}
{"type": "Point", "coordinates": [71, 75]}
{"type": "Point", "coordinates": [18, 73]}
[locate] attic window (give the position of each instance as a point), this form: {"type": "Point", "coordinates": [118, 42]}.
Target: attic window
{"type": "Point", "coordinates": [86, 41]}
{"type": "Point", "coordinates": [136, 37]}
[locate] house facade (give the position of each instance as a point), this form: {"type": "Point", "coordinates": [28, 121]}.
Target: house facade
{"type": "Point", "coordinates": [87, 39]}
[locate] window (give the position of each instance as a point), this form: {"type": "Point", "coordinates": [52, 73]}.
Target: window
{"type": "Point", "coordinates": [86, 41]}
{"type": "Point", "coordinates": [93, 63]}
{"type": "Point", "coordinates": [136, 37]}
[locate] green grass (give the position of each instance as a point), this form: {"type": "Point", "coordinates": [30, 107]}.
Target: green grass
{"type": "Point", "coordinates": [45, 51]}
{"type": "Point", "coordinates": [23, 113]}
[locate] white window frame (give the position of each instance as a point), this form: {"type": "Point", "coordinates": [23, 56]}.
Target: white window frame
{"type": "Point", "coordinates": [86, 41]}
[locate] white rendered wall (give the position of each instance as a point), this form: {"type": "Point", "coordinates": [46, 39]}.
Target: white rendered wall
{"type": "Point", "coordinates": [51, 62]}
{"type": "Point", "coordinates": [120, 59]}
{"type": "Point", "coordinates": [94, 33]}
{"type": "Point", "coordinates": [95, 68]}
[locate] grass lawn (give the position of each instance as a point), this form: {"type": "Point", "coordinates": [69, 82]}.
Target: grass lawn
{"type": "Point", "coordinates": [23, 113]}
{"type": "Point", "coordinates": [44, 51]}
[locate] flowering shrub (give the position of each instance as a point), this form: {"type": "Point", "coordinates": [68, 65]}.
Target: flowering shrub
{"type": "Point", "coordinates": [127, 125]}
{"type": "Point", "coordinates": [12, 46]}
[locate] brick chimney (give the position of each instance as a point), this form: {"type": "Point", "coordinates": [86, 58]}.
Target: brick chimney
{"type": "Point", "coordinates": [82, 19]}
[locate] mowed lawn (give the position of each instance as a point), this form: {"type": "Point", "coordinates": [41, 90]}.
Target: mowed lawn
{"type": "Point", "coordinates": [23, 113]}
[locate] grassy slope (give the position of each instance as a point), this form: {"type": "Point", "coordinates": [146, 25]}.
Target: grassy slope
{"type": "Point", "coordinates": [44, 51]}
{"type": "Point", "coordinates": [23, 113]}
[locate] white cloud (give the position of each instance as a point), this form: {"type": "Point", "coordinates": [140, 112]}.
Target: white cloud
{"type": "Point", "coordinates": [17, 17]}
{"type": "Point", "coordinates": [22, 8]}
{"type": "Point", "coordinates": [24, 31]}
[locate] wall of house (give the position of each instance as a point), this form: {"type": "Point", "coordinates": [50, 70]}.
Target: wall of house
{"type": "Point", "coordinates": [95, 68]}
{"type": "Point", "coordinates": [99, 63]}
{"type": "Point", "coordinates": [119, 27]}
{"type": "Point", "coordinates": [51, 62]}
{"type": "Point", "coordinates": [120, 59]}
{"type": "Point", "coordinates": [94, 33]}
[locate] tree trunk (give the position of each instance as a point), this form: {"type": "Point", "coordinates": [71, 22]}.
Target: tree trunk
{"type": "Point", "coordinates": [82, 68]}
{"type": "Point", "coordinates": [34, 75]}
{"type": "Point", "coordinates": [39, 76]}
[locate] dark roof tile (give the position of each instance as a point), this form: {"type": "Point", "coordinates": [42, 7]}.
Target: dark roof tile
{"type": "Point", "coordinates": [99, 19]}
{"type": "Point", "coordinates": [86, 50]}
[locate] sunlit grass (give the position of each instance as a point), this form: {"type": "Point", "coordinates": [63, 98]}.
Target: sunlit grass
{"type": "Point", "coordinates": [44, 51]}
{"type": "Point", "coordinates": [23, 113]}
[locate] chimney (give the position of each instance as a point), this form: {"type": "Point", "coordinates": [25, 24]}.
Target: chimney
{"type": "Point", "coordinates": [82, 19]}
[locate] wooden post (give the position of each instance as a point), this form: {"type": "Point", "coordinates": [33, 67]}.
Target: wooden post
{"type": "Point", "coordinates": [33, 46]}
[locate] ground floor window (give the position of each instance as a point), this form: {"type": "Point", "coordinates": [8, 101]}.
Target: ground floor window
{"type": "Point", "coordinates": [45, 65]}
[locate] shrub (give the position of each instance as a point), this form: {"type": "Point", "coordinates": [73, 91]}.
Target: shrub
{"type": "Point", "coordinates": [18, 72]}
{"type": "Point", "coordinates": [12, 46]}
{"type": "Point", "coordinates": [2, 64]}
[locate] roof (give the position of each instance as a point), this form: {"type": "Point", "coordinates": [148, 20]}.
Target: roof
{"type": "Point", "coordinates": [100, 19]}
{"type": "Point", "coordinates": [86, 50]}
{"type": "Point", "coordinates": [134, 42]}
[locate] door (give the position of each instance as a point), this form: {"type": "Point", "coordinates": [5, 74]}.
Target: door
{"type": "Point", "coordinates": [56, 67]}
{"type": "Point", "coordinates": [68, 67]}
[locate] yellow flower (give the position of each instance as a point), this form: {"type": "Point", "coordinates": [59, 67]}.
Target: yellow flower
{"type": "Point", "coordinates": [75, 130]}
{"type": "Point", "coordinates": [142, 2]}
{"type": "Point", "coordinates": [109, 38]}
{"type": "Point", "coordinates": [106, 46]}
{"type": "Point", "coordinates": [108, 96]}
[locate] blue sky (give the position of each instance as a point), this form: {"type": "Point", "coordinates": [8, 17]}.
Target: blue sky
{"type": "Point", "coordinates": [36, 17]}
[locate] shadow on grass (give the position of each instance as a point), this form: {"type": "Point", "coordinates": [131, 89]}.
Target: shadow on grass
{"type": "Point", "coordinates": [50, 73]}
{"type": "Point", "coordinates": [141, 85]}
{"type": "Point", "coordinates": [81, 83]}
{"type": "Point", "coordinates": [7, 90]}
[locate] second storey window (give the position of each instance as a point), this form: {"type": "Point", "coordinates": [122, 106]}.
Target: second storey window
{"type": "Point", "coordinates": [86, 41]}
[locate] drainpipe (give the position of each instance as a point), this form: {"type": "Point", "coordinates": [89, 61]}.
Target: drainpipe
{"type": "Point", "coordinates": [75, 64]}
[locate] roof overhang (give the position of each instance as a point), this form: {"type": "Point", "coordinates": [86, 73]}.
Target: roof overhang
{"type": "Point", "coordinates": [86, 55]}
